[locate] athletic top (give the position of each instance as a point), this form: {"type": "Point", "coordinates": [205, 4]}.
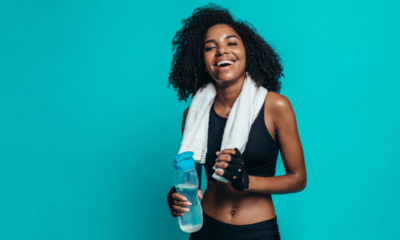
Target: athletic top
{"type": "Point", "coordinates": [261, 151]}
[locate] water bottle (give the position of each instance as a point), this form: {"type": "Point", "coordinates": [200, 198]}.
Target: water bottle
{"type": "Point", "coordinates": [186, 184]}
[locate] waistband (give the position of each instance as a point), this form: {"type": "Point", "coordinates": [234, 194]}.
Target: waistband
{"type": "Point", "coordinates": [220, 229]}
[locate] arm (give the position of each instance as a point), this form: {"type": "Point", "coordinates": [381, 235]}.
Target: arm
{"type": "Point", "coordinates": [198, 165]}
{"type": "Point", "coordinates": [295, 178]}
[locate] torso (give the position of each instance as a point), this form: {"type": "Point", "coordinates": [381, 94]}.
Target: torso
{"type": "Point", "coordinates": [228, 205]}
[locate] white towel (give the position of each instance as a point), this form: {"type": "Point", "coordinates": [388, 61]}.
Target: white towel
{"type": "Point", "coordinates": [237, 129]}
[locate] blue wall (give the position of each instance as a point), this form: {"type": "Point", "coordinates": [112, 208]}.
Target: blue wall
{"type": "Point", "coordinates": [89, 128]}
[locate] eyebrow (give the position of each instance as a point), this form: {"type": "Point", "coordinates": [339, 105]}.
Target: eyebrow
{"type": "Point", "coordinates": [229, 36]}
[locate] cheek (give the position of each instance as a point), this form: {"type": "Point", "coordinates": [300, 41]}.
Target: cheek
{"type": "Point", "coordinates": [242, 56]}
{"type": "Point", "coordinates": [243, 53]}
{"type": "Point", "coordinates": [207, 61]}
{"type": "Point", "coordinates": [240, 52]}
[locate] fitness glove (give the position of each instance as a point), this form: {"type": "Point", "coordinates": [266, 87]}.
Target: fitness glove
{"type": "Point", "coordinates": [236, 172]}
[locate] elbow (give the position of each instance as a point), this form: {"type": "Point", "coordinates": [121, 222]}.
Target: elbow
{"type": "Point", "coordinates": [303, 183]}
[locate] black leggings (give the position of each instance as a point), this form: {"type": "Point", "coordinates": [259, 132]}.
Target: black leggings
{"type": "Point", "coordinates": [215, 230]}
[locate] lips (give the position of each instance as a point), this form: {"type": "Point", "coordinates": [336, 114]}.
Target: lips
{"type": "Point", "coordinates": [224, 64]}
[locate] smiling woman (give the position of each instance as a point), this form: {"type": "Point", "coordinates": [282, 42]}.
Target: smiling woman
{"type": "Point", "coordinates": [213, 48]}
{"type": "Point", "coordinates": [188, 71]}
{"type": "Point", "coordinates": [224, 54]}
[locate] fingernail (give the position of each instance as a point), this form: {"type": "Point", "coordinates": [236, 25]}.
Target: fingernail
{"type": "Point", "coordinates": [187, 210]}
{"type": "Point", "coordinates": [189, 204]}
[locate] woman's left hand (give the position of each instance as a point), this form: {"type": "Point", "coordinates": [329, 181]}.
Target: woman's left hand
{"type": "Point", "coordinates": [232, 162]}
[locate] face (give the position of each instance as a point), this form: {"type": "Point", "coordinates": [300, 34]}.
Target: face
{"type": "Point", "coordinates": [224, 54]}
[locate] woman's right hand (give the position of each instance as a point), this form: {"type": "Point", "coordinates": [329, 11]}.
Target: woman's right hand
{"type": "Point", "coordinates": [178, 204]}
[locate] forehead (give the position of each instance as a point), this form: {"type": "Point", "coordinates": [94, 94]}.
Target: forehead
{"type": "Point", "coordinates": [219, 31]}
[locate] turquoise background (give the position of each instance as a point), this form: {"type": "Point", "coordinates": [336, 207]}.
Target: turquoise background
{"type": "Point", "coordinates": [89, 128]}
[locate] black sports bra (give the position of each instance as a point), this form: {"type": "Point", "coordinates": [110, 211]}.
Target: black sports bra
{"type": "Point", "coordinates": [261, 151]}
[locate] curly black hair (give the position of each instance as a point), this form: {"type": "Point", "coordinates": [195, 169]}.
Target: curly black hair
{"type": "Point", "coordinates": [188, 72]}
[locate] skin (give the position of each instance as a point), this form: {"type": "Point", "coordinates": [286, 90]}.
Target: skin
{"type": "Point", "coordinates": [221, 201]}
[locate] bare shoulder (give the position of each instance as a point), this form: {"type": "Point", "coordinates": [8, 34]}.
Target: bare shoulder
{"type": "Point", "coordinates": [278, 103]}
{"type": "Point", "coordinates": [279, 109]}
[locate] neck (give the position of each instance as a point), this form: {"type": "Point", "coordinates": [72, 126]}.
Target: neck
{"type": "Point", "coordinates": [228, 92]}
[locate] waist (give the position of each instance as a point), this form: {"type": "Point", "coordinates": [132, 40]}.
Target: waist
{"type": "Point", "coordinates": [214, 229]}
{"type": "Point", "coordinates": [228, 205]}
{"type": "Point", "coordinates": [267, 225]}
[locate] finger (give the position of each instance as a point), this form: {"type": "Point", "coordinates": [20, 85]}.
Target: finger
{"type": "Point", "coordinates": [179, 197]}
{"type": "Point", "coordinates": [224, 157]}
{"type": "Point", "coordinates": [231, 151]}
{"type": "Point", "coordinates": [182, 203]}
{"type": "Point", "coordinates": [221, 165]}
{"type": "Point", "coordinates": [177, 214]}
{"type": "Point", "coordinates": [180, 209]}
{"type": "Point", "coordinates": [219, 172]}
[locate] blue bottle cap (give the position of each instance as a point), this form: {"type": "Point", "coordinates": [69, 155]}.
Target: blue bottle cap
{"type": "Point", "coordinates": [184, 161]}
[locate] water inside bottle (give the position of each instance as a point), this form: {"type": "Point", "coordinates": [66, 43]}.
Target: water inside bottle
{"type": "Point", "coordinates": [191, 221]}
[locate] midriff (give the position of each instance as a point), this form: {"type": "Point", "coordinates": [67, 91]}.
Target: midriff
{"type": "Point", "coordinates": [224, 203]}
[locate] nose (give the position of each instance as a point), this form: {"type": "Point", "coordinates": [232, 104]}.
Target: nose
{"type": "Point", "coordinates": [220, 50]}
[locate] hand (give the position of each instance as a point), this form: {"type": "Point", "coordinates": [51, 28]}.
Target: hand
{"type": "Point", "coordinates": [231, 160]}
{"type": "Point", "coordinates": [178, 204]}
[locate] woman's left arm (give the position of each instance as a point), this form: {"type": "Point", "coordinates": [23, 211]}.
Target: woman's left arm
{"type": "Point", "coordinates": [292, 155]}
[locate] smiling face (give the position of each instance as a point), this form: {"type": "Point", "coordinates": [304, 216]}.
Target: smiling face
{"type": "Point", "coordinates": [224, 54]}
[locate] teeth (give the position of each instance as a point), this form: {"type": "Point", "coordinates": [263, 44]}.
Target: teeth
{"type": "Point", "coordinates": [224, 61]}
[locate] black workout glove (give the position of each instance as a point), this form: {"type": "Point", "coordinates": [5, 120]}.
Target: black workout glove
{"type": "Point", "coordinates": [170, 199]}
{"type": "Point", "coordinates": [236, 172]}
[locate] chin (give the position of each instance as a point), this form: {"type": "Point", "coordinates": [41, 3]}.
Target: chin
{"type": "Point", "coordinates": [226, 76]}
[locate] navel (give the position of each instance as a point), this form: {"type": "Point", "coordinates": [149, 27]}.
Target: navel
{"type": "Point", "coordinates": [233, 212]}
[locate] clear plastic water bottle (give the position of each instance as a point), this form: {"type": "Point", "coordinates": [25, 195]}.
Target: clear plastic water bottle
{"type": "Point", "coordinates": [186, 184]}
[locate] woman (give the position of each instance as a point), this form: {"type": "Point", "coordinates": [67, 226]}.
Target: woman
{"type": "Point", "coordinates": [212, 47]}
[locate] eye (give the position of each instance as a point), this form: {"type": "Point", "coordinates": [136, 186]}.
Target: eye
{"type": "Point", "coordinates": [208, 48]}
{"type": "Point", "coordinates": [232, 44]}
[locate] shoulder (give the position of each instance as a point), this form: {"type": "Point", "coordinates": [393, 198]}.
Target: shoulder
{"type": "Point", "coordinates": [278, 105]}
{"type": "Point", "coordinates": [277, 102]}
